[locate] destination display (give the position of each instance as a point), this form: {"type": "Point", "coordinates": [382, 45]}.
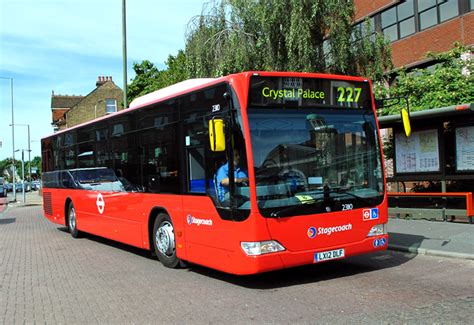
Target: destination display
{"type": "Point", "coordinates": [308, 92]}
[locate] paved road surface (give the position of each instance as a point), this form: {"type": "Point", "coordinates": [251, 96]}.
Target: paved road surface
{"type": "Point", "coordinates": [47, 276]}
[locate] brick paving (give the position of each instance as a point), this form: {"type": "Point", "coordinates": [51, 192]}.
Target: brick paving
{"type": "Point", "coordinates": [42, 282]}
{"type": "Point", "coordinates": [48, 277]}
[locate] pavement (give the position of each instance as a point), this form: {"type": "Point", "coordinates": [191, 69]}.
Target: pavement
{"type": "Point", "coordinates": [445, 239]}
{"type": "Point", "coordinates": [438, 238]}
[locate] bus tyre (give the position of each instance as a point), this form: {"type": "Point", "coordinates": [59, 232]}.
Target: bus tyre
{"type": "Point", "coordinates": [72, 221]}
{"type": "Point", "coordinates": [164, 242]}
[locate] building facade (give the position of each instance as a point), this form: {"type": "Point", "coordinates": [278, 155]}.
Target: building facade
{"type": "Point", "coordinates": [60, 104]}
{"type": "Point", "coordinates": [416, 27]}
{"type": "Point", "coordinates": [68, 111]}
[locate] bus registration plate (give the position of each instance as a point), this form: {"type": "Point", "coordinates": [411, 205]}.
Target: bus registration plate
{"type": "Point", "coordinates": [329, 255]}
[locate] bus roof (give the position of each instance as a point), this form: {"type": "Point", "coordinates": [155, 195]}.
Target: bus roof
{"type": "Point", "coordinates": [163, 93]}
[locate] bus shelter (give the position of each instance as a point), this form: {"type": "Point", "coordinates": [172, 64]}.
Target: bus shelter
{"type": "Point", "coordinates": [433, 168]}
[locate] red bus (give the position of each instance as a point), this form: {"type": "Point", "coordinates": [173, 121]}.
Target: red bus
{"type": "Point", "coordinates": [304, 183]}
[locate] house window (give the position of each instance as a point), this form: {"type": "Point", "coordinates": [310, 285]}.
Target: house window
{"type": "Point", "coordinates": [110, 106]}
{"type": "Point", "coordinates": [399, 21]}
{"type": "Point", "coordinates": [363, 29]}
{"type": "Point", "coordinates": [411, 16]}
{"type": "Point", "coordinates": [433, 12]}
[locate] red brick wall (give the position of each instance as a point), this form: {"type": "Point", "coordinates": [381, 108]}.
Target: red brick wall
{"type": "Point", "coordinates": [58, 113]}
{"type": "Point", "coordinates": [367, 7]}
{"type": "Point", "coordinates": [439, 38]}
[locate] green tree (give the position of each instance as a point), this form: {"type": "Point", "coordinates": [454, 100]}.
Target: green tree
{"type": "Point", "coordinates": [148, 78]}
{"type": "Point", "coordinates": [442, 86]}
{"type": "Point", "coordinates": [6, 165]}
{"type": "Point", "coordinates": [35, 165]}
{"type": "Point", "coordinates": [299, 35]}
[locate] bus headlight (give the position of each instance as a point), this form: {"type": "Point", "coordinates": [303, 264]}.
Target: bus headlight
{"type": "Point", "coordinates": [377, 230]}
{"type": "Point", "coordinates": [261, 247]}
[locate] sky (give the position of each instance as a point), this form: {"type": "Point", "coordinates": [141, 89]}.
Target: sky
{"type": "Point", "coordinates": [64, 45]}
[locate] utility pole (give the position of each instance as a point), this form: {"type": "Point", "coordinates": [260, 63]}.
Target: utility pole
{"type": "Point", "coordinates": [124, 48]}
{"type": "Point", "coordinates": [13, 140]}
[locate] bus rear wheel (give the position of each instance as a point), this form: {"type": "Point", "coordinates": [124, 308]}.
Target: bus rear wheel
{"type": "Point", "coordinates": [72, 221]}
{"type": "Point", "coordinates": [164, 241]}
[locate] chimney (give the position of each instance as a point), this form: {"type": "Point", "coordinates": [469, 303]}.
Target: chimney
{"type": "Point", "coordinates": [100, 81]}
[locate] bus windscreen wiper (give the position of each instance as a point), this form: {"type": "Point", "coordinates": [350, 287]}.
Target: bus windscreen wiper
{"type": "Point", "coordinates": [310, 204]}
{"type": "Point", "coordinates": [339, 190]}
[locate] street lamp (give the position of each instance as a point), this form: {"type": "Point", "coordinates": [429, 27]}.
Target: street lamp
{"type": "Point", "coordinates": [29, 151]}
{"type": "Point", "coordinates": [13, 138]}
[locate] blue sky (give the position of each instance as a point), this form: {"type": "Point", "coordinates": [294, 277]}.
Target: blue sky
{"type": "Point", "coordinates": [64, 45]}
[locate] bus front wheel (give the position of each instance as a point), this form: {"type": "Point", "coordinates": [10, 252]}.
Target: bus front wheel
{"type": "Point", "coordinates": [164, 241]}
{"type": "Point", "coordinates": [72, 221]}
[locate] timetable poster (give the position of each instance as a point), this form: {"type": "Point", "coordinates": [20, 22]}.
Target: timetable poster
{"type": "Point", "coordinates": [465, 148]}
{"type": "Point", "coordinates": [418, 153]}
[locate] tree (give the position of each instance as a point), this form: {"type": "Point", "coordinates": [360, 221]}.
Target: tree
{"type": "Point", "coordinates": [148, 78]}
{"type": "Point", "coordinates": [6, 165]}
{"type": "Point", "coordinates": [442, 86]}
{"type": "Point", "coordinates": [299, 35]}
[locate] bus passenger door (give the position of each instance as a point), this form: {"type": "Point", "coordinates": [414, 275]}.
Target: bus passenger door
{"type": "Point", "coordinates": [207, 234]}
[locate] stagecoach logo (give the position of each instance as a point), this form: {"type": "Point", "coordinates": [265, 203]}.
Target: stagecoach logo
{"type": "Point", "coordinates": [312, 231]}
{"type": "Point", "coordinates": [100, 203]}
{"type": "Point", "coordinates": [192, 220]}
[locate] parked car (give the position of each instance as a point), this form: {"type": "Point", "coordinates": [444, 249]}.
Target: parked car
{"type": "Point", "coordinates": [36, 185]}
{"type": "Point", "coordinates": [3, 188]}
{"type": "Point", "coordinates": [9, 187]}
{"type": "Point", "coordinates": [19, 186]}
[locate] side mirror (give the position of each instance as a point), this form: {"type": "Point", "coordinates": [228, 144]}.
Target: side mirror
{"type": "Point", "coordinates": [406, 121]}
{"type": "Point", "coordinates": [216, 134]}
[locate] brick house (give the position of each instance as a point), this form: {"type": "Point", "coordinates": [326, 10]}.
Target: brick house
{"type": "Point", "coordinates": [418, 26]}
{"type": "Point", "coordinates": [68, 111]}
{"type": "Point", "coordinates": [60, 104]}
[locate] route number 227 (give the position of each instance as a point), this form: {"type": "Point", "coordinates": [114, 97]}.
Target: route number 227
{"type": "Point", "coordinates": [348, 95]}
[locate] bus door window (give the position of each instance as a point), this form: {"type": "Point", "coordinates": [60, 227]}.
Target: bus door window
{"type": "Point", "coordinates": [195, 112]}
{"type": "Point", "coordinates": [194, 141]}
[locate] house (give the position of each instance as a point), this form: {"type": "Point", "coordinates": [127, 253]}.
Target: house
{"type": "Point", "coordinates": [68, 111]}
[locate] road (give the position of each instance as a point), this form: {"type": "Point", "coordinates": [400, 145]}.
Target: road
{"type": "Point", "coordinates": [47, 276]}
